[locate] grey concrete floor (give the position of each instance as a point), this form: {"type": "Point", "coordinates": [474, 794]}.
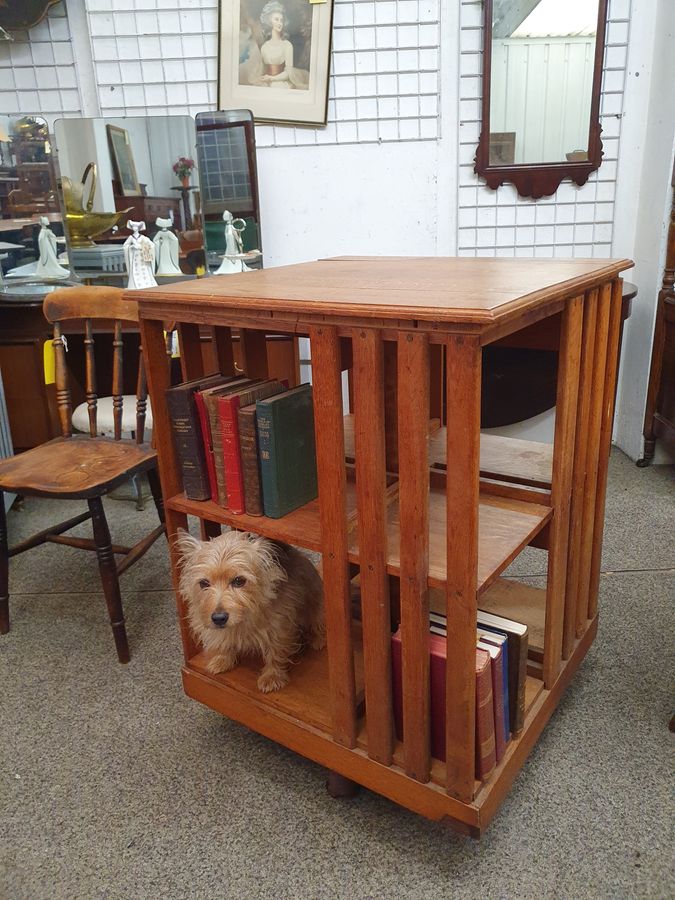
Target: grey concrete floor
{"type": "Point", "coordinates": [114, 785]}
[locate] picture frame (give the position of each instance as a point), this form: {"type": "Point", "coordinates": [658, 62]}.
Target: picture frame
{"type": "Point", "coordinates": [123, 161]}
{"type": "Point", "coordinates": [274, 59]}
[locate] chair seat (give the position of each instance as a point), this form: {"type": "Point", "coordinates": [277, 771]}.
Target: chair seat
{"type": "Point", "coordinates": [77, 466]}
{"type": "Point", "coordinates": [105, 423]}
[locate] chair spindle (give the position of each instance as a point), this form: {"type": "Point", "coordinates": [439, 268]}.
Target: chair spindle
{"type": "Point", "coordinates": [90, 376]}
{"type": "Point", "coordinates": [117, 382]}
{"type": "Point", "coordinates": [62, 391]}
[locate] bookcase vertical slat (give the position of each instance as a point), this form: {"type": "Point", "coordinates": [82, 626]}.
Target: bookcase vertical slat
{"type": "Point", "coordinates": [222, 341]}
{"type": "Point", "coordinates": [413, 456]}
{"type": "Point", "coordinates": [608, 399]}
{"type": "Point", "coordinates": [371, 483]}
{"type": "Point", "coordinates": [592, 457]}
{"type": "Point", "coordinates": [567, 398]}
{"type": "Point", "coordinates": [463, 389]}
{"type": "Point", "coordinates": [579, 470]}
{"type": "Point", "coordinates": [189, 344]}
{"type": "Point", "coordinates": [390, 405]}
{"type": "Point", "coordinates": [330, 460]}
{"type": "Point", "coordinates": [253, 346]}
{"type": "Point", "coordinates": [158, 375]}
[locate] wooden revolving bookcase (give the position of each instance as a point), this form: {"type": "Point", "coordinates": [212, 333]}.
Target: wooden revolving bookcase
{"type": "Point", "coordinates": [411, 505]}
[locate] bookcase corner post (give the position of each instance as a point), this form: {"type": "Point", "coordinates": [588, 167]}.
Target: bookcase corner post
{"type": "Point", "coordinates": [330, 455]}
{"type": "Point", "coordinates": [463, 393]}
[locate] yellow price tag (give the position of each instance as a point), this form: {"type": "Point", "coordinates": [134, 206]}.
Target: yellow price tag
{"type": "Point", "coordinates": [317, 1]}
{"type": "Point", "coordinates": [49, 360]}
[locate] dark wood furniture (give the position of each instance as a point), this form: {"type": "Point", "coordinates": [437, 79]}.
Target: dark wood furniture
{"type": "Point", "coordinates": [400, 522]}
{"type": "Point", "coordinates": [85, 467]}
{"type": "Point", "coordinates": [660, 409]}
{"type": "Point", "coordinates": [146, 209]}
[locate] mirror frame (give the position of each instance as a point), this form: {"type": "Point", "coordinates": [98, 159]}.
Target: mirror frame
{"type": "Point", "coordinates": [540, 179]}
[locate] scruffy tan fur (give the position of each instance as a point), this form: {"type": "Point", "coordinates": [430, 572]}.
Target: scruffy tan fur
{"type": "Point", "coordinates": [271, 593]}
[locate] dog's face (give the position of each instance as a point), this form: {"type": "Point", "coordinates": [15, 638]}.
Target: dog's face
{"type": "Point", "coordinates": [226, 581]}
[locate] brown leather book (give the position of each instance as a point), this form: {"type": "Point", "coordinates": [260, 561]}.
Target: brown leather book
{"type": "Point", "coordinates": [486, 758]}
{"type": "Point", "coordinates": [250, 465]}
{"type": "Point", "coordinates": [517, 638]}
{"type": "Point", "coordinates": [187, 435]}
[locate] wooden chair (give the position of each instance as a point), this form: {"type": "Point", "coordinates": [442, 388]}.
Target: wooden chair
{"type": "Point", "coordinates": [85, 466]}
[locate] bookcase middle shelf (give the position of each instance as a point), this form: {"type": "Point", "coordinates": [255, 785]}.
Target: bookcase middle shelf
{"type": "Point", "coordinates": [506, 526]}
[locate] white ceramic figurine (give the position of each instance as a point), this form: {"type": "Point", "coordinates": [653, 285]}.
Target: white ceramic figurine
{"type": "Point", "coordinates": [166, 247]}
{"type": "Point", "coordinates": [234, 246]}
{"type": "Point", "coordinates": [139, 257]}
{"type": "Point", "coordinates": [48, 265]}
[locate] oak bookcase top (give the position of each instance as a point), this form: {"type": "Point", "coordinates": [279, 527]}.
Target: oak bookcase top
{"type": "Point", "coordinates": [443, 289]}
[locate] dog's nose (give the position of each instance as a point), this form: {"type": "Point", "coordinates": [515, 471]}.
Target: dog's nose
{"type": "Point", "coordinates": [219, 618]}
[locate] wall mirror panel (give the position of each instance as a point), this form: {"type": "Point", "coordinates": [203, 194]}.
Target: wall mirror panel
{"type": "Point", "coordinates": [113, 170]}
{"type": "Point", "coordinates": [226, 156]}
{"type": "Point", "coordinates": [542, 72]}
{"type": "Point", "coordinates": [30, 218]}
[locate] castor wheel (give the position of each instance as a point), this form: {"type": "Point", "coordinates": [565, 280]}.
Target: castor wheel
{"type": "Point", "coordinates": [340, 787]}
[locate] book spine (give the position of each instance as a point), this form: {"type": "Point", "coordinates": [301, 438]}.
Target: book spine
{"type": "Point", "coordinates": [234, 482]}
{"type": "Point", "coordinates": [485, 717]}
{"type": "Point", "coordinates": [268, 463]}
{"type": "Point", "coordinates": [208, 443]}
{"type": "Point", "coordinates": [188, 443]}
{"type": "Point", "coordinates": [248, 448]}
{"type": "Point", "coordinates": [498, 701]}
{"type": "Point", "coordinates": [217, 439]}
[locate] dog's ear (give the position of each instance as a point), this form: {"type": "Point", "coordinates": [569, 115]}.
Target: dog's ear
{"type": "Point", "coordinates": [185, 544]}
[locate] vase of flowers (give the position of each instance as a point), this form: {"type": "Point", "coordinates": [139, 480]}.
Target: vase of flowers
{"type": "Point", "coordinates": [183, 168]}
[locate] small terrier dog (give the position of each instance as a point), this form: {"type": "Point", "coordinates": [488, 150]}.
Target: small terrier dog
{"type": "Point", "coordinates": [247, 594]}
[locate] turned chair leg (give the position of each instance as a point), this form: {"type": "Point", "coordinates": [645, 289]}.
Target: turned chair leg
{"type": "Point", "coordinates": [156, 489]}
{"type": "Point", "coordinates": [4, 569]}
{"type": "Point", "coordinates": [108, 570]}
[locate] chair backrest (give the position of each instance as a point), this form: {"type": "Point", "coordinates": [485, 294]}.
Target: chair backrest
{"type": "Point", "coordinates": [74, 306]}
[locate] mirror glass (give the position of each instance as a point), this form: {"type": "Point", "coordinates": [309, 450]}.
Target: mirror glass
{"type": "Point", "coordinates": [140, 169]}
{"type": "Point", "coordinates": [30, 219]}
{"type": "Point", "coordinates": [226, 156]}
{"type": "Point", "coordinates": [541, 81]}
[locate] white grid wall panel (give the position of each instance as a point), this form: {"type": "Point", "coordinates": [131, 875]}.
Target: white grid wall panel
{"type": "Point", "coordinates": [160, 56]}
{"type": "Point", "coordinates": [575, 221]}
{"type": "Point", "coordinates": [37, 70]}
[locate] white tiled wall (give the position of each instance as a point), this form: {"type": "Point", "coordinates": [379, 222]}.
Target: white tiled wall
{"type": "Point", "coordinates": [576, 221]}
{"type": "Point", "coordinates": [37, 70]}
{"type": "Point", "coordinates": [384, 83]}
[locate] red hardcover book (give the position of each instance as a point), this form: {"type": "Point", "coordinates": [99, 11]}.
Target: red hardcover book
{"type": "Point", "coordinates": [207, 435]}
{"type": "Point", "coordinates": [437, 664]}
{"type": "Point", "coordinates": [228, 408]}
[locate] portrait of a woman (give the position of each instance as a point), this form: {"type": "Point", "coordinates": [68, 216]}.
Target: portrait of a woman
{"type": "Point", "coordinates": [267, 56]}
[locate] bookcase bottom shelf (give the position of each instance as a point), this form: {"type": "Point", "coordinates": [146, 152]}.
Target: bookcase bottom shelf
{"type": "Point", "coordinates": [298, 717]}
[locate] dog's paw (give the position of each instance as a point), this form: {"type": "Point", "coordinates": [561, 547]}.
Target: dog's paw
{"type": "Point", "coordinates": [317, 641]}
{"type": "Point", "coordinates": [219, 664]}
{"type": "Point", "coordinates": [272, 681]}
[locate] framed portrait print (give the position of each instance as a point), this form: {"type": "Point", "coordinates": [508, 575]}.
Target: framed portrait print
{"type": "Point", "coordinates": [123, 161]}
{"type": "Point", "coordinates": [274, 59]}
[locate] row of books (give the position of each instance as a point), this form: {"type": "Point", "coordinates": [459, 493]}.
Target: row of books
{"type": "Point", "coordinates": [501, 672]}
{"type": "Point", "coordinates": [245, 443]}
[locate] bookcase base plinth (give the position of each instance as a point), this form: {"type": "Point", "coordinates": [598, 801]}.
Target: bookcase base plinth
{"type": "Point", "coordinates": [269, 715]}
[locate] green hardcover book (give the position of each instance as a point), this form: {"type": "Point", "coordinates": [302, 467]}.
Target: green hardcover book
{"type": "Point", "coordinates": [287, 450]}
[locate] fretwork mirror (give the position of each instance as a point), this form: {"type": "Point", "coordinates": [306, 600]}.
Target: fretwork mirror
{"type": "Point", "coordinates": [542, 72]}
